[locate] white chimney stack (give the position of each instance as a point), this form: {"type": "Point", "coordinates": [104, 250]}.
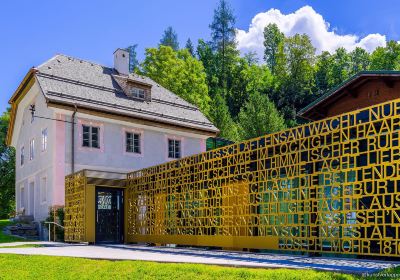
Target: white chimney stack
{"type": "Point", "coordinates": [121, 61]}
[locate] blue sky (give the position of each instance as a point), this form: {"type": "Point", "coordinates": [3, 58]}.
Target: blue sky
{"type": "Point", "coordinates": [33, 31]}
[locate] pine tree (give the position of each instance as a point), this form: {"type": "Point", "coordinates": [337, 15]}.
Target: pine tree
{"type": "Point", "coordinates": [208, 58]}
{"type": "Point", "coordinates": [133, 62]}
{"type": "Point", "coordinates": [259, 116]}
{"type": "Point", "coordinates": [223, 42]}
{"type": "Point", "coordinates": [222, 119]}
{"type": "Point", "coordinates": [189, 46]}
{"type": "Point", "coordinates": [170, 38]}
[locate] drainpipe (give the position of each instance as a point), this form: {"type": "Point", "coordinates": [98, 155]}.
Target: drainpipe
{"type": "Point", "coordinates": [73, 140]}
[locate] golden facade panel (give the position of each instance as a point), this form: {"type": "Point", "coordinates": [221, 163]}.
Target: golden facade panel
{"type": "Point", "coordinates": [74, 220]}
{"type": "Point", "coordinates": [327, 186]}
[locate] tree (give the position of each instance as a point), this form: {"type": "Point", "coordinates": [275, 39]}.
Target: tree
{"type": "Point", "coordinates": [223, 42]}
{"type": "Point", "coordinates": [340, 66]}
{"type": "Point", "coordinates": [359, 60]}
{"type": "Point", "coordinates": [208, 58]}
{"type": "Point", "coordinates": [273, 37]}
{"type": "Point", "coordinates": [247, 79]}
{"type": "Point", "coordinates": [323, 73]}
{"type": "Point", "coordinates": [179, 72]}
{"type": "Point", "coordinates": [133, 62]}
{"type": "Point", "coordinates": [189, 46]}
{"type": "Point", "coordinates": [170, 38]}
{"type": "Point", "coordinates": [259, 116]}
{"type": "Point", "coordinates": [298, 84]}
{"type": "Point", "coordinates": [251, 58]}
{"type": "Point", "coordinates": [386, 58]}
{"type": "Point", "coordinates": [222, 119]}
{"type": "Point", "coordinates": [7, 169]}
{"type": "Point", "coordinates": [223, 27]}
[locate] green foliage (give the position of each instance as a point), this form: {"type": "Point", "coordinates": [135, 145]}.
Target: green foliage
{"type": "Point", "coordinates": [189, 46]}
{"type": "Point", "coordinates": [208, 58]}
{"type": "Point", "coordinates": [295, 74]}
{"type": "Point", "coordinates": [170, 38]}
{"type": "Point", "coordinates": [223, 27]}
{"type": "Point", "coordinates": [273, 38]}
{"type": "Point", "coordinates": [259, 116]}
{"type": "Point", "coordinates": [386, 58]}
{"type": "Point", "coordinates": [133, 62]}
{"type": "Point", "coordinates": [51, 267]}
{"type": "Point", "coordinates": [223, 43]}
{"type": "Point", "coordinates": [359, 60]}
{"type": "Point", "coordinates": [222, 119]}
{"type": "Point", "coordinates": [7, 169]}
{"type": "Point", "coordinates": [247, 78]}
{"type": "Point", "coordinates": [56, 214]}
{"type": "Point", "coordinates": [323, 73]}
{"type": "Point", "coordinates": [179, 72]}
{"type": "Point", "coordinates": [340, 66]}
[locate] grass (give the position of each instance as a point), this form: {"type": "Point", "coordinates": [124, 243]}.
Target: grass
{"type": "Point", "coordinates": [47, 267]}
{"type": "Point", "coordinates": [391, 273]}
{"type": "Point", "coordinates": [4, 238]}
{"type": "Point", "coordinates": [23, 246]}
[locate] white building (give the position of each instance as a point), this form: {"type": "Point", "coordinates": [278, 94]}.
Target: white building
{"type": "Point", "coordinates": [122, 123]}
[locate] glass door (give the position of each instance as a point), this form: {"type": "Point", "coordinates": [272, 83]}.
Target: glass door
{"type": "Point", "coordinates": [109, 215]}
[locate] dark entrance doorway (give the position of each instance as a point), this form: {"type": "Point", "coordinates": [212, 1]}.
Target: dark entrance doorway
{"type": "Point", "coordinates": [109, 215]}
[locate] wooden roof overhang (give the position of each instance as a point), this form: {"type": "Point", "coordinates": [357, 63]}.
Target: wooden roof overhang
{"type": "Point", "coordinates": [317, 109]}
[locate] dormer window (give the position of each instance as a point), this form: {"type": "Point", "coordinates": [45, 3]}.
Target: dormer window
{"type": "Point", "coordinates": [137, 92]}
{"type": "Point", "coordinates": [135, 87]}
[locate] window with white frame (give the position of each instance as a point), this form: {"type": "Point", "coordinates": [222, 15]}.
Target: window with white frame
{"type": "Point", "coordinates": [174, 148]}
{"type": "Point", "coordinates": [22, 197]}
{"type": "Point", "coordinates": [32, 149]}
{"type": "Point", "coordinates": [22, 155]}
{"type": "Point", "coordinates": [137, 92]}
{"type": "Point", "coordinates": [44, 139]}
{"type": "Point", "coordinates": [133, 143]}
{"type": "Point", "coordinates": [43, 189]}
{"type": "Point", "coordinates": [90, 136]}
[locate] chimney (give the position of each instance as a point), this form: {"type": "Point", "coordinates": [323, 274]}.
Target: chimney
{"type": "Point", "coordinates": [121, 61]}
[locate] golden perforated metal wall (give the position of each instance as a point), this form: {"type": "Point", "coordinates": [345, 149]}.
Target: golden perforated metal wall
{"type": "Point", "coordinates": [74, 219]}
{"type": "Point", "coordinates": [327, 186]}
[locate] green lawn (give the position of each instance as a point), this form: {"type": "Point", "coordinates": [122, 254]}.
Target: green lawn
{"type": "Point", "coordinates": [45, 267]}
{"type": "Point", "coordinates": [23, 246]}
{"type": "Point", "coordinates": [7, 238]}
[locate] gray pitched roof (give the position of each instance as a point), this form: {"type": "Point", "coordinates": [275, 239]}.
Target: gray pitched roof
{"type": "Point", "coordinates": [64, 79]}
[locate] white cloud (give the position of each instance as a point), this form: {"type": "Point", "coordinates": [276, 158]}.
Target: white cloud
{"type": "Point", "coordinates": [304, 20]}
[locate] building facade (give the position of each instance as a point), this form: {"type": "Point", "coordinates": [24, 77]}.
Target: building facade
{"type": "Point", "coordinates": [69, 114]}
{"type": "Point", "coordinates": [329, 186]}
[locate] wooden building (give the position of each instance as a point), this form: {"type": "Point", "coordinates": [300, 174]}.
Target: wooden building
{"type": "Point", "coordinates": [364, 89]}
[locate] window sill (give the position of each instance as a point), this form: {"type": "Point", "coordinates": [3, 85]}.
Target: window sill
{"type": "Point", "coordinates": [132, 154]}
{"type": "Point", "coordinates": [90, 149]}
